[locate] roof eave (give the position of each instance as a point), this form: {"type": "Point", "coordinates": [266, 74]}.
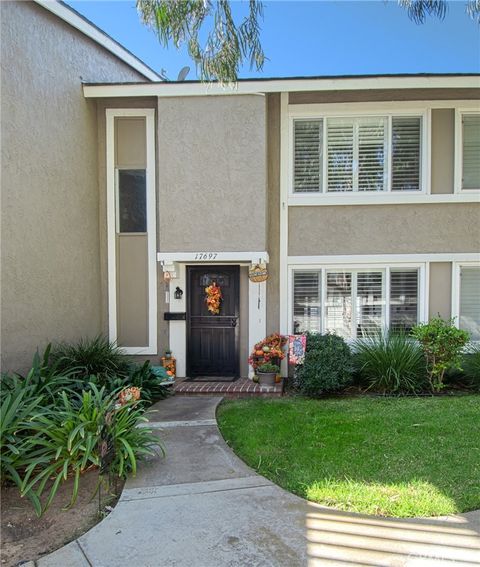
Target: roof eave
{"type": "Point", "coordinates": [259, 86]}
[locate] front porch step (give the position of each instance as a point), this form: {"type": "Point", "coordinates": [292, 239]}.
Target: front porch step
{"type": "Point", "coordinates": [241, 388]}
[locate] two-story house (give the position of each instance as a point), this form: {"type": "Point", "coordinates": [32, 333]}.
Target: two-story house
{"type": "Point", "coordinates": [359, 195]}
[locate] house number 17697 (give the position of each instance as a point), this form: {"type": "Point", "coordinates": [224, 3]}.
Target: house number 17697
{"type": "Point", "coordinates": [205, 255]}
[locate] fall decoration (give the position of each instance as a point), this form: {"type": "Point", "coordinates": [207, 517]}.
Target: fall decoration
{"type": "Point", "coordinates": [129, 395]}
{"type": "Point", "coordinates": [268, 350]}
{"type": "Point", "coordinates": [213, 298]}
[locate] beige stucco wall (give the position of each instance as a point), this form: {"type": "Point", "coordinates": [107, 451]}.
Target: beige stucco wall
{"type": "Point", "coordinates": [379, 95]}
{"type": "Point", "coordinates": [50, 204]}
{"type": "Point", "coordinates": [440, 293]}
{"type": "Point", "coordinates": [212, 174]}
{"type": "Point", "coordinates": [132, 290]}
{"type": "Point", "coordinates": [443, 150]}
{"type": "Point", "coordinates": [273, 212]}
{"type": "Point", "coordinates": [384, 229]}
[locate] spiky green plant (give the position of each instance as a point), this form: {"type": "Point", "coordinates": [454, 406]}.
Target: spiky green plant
{"type": "Point", "coordinates": [390, 363]}
{"type": "Point", "coordinates": [91, 357]}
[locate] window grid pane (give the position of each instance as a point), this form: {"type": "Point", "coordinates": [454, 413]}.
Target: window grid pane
{"type": "Point", "coordinates": [307, 167]}
{"type": "Point", "coordinates": [338, 308]}
{"type": "Point", "coordinates": [371, 155]}
{"type": "Point", "coordinates": [471, 152]}
{"type": "Point", "coordinates": [306, 302]}
{"type": "Point", "coordinates": [470, 301]}
{"type": "Point", "coordinates": [369, 304]}
{"type": "Point", "coordinates": [340, 136]}
{"type": "Point", "coordinates": [406, 136]}
{"type": "Point", "coordinates": [132, 200]}
{"type": "Point", "coordinates": [403, 299]}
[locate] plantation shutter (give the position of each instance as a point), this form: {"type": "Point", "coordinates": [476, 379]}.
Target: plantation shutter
{"type": "Point", "coordinates": [340, 136]}
{"type": "Point", "coordinates": [306, 302]}
{"type": "Point", "coordinates": [470, 301]}
{"type": "Point", "coordinates": [471, 152]}
{"type": "Point", "coordinates": [369, 303]}
{"type": "Point", "coordinates": [406, 136]}
{"type": "Point", "coordinates": [338, 308]}
{"type": "Point", "coordinates": [371, 155]}
{"type": "Point", "coordinates": [308, 148]}
{"type": "Point", "coordinates": [403, 299]}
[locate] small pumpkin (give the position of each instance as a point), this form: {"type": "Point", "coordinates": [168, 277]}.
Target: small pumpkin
{"type": "Point", "coordinates": [259, 352]}
{"type": "Point", "coordinates": [266, 348]}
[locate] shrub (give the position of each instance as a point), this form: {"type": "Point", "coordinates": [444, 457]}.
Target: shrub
{"type": "Point", "coordinates": [390, 363]}
{"type": "Point", "coordinates": [442, 344]}
{"type": "Point", "coordinates": [79, 432]}
{"type": "Point", "coordinates": [152, 386]}
{"type": "Point", "coordinates": [91, 357]}
{"type": "Point", "coordinates": [327, 367]}
{"type": "Point", "coordinates": [17, 408]}
{"type": "Point", "coordinates": [471, 365]}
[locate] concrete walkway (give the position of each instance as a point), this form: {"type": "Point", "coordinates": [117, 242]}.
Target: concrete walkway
{"type": "Point", "coordinates": [203, 507]}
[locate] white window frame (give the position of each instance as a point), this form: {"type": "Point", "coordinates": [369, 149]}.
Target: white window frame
{"type": "Point", "coordinates": [458, 164]}
{"type": "Point", "coordinates": [111, 175]}
{"type": "Point", "coordinates": [456, 268]}
{"type": "Point", "coordinates": [366, 110]}
{"type": "Point", "coordinates": [385, 267]}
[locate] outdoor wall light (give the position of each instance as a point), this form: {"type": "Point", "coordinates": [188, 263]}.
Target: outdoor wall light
{"type": "Point", "coordinates": [178, 293]}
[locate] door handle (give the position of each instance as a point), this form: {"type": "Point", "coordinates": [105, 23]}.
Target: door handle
{"type": "Point", "coordinates": [233, 321]}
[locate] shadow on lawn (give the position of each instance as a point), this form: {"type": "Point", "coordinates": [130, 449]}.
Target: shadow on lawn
{"type": "Point", "coordinates": [342, 538]}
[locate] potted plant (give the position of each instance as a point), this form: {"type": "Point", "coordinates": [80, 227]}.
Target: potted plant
{"type": "Point", "coordinates": [267, 373]}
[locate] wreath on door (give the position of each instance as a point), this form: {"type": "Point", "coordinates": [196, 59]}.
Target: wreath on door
{"type": "Point", "coordinates": [213, 298]}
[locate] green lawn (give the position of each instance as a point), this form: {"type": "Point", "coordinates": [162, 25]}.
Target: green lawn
{"type": "Point", "coordinates": [391, 457]}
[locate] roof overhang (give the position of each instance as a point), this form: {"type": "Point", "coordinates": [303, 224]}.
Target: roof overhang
{"type": "Point", "coordinates": [261, 86]}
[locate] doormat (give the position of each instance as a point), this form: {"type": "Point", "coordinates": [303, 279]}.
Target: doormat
{"type": "Point", "coordinates": [212, 379]}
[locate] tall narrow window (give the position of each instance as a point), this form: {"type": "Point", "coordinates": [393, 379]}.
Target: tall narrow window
{"type": "Point", "coordinates": [471, 151]}
{"type": "Point", "coordinates": [470, 301]}
{"type": "Point", "coordinates": [306, 302]}
{"type": "Point", "coordinates": [132, 200]}
{"type": "Point", "coordinates": [406, 135]}
{"type": "Point", "coordinates": [403, 299]}
{"type": "Point", "coordinates": [307, 174]}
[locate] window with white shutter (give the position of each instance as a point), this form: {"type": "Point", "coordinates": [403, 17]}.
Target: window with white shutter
{"type": "Point", "coordinates": [355, 301]}
{"type": "Point", "coordinates": [358, 154]}
{"type": "Point", "coordinates": [471, 151]}
{"type": "Point", "coordinates": [308, 159]}
{"type": "Point", "coordinates": [403, 299]}
{"type": "Point", "coordinates": [406, 153]}
{"type": "Point", "coordinates": [469, 318]}
{"type": "Point", "coordinates": [306, 302]}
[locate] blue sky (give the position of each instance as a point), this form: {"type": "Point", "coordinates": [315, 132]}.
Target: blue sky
{"type": "Point", "coordinates": [319, 38]}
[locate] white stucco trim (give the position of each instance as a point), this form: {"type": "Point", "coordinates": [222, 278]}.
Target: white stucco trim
{"type": "Point", "coordinates": [381, 198]}
{"type": "Point", "coordinates": [72, 17]}
{"type": "Point", "coordinates": [357, 259]}
{"type": "Point", "coordinates": [196, 88]}
{"type": "Point", "coordinates": [149, 115]}
{"type": "Point", "coordinates": [212, 257]}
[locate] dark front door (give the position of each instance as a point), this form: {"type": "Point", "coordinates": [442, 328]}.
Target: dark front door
{"type": "Point", "coordinates": [213, 339]}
